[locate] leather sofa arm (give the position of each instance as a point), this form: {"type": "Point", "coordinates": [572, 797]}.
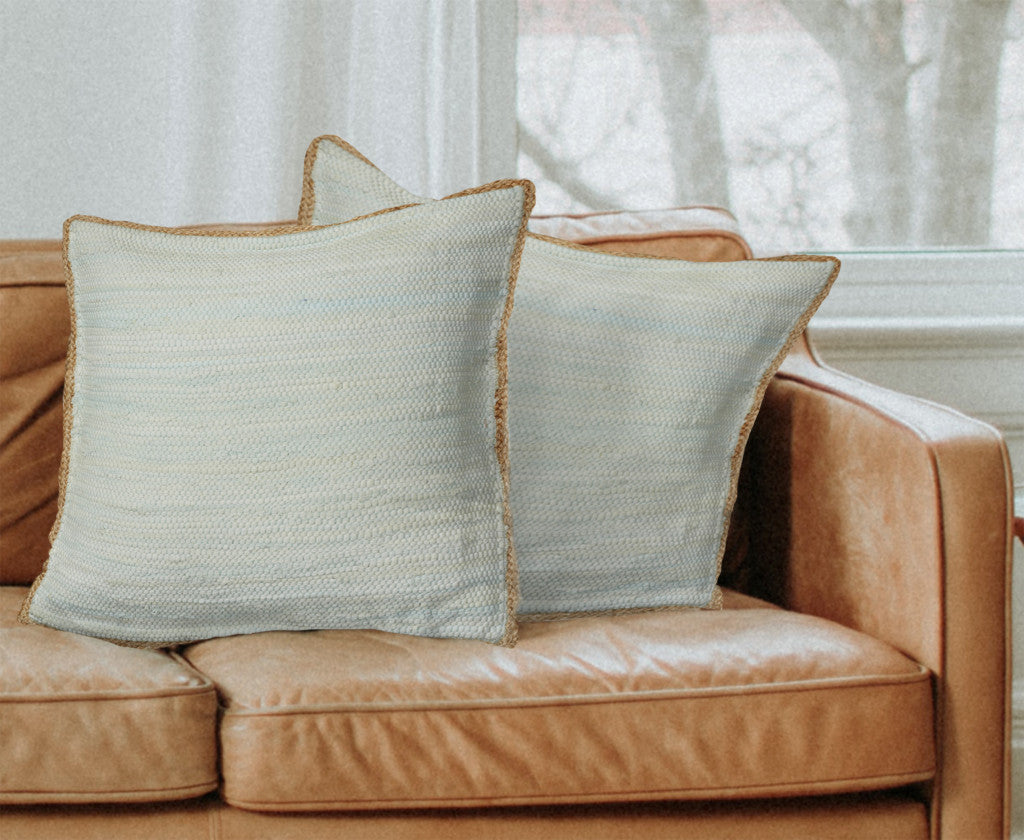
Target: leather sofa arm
{"type": "Point", "coordinates": [893, 515]}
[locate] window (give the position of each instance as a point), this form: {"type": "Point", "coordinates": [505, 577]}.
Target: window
{"type": "Point", "coordinates": [823, 124]}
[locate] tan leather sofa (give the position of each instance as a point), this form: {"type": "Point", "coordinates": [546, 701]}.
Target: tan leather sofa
{"type": "Point", "coordinates": [855, 684]}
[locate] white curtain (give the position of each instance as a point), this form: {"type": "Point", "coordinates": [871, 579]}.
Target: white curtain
{"type": "Point", "coordinates": [201, 110]}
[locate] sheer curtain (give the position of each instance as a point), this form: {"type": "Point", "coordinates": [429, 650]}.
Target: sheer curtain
{"type": "Point", "coordinates": [194, 111]}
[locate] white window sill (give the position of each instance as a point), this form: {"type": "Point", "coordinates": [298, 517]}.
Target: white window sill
{"type": "Point", "coordinates": [928, 289]}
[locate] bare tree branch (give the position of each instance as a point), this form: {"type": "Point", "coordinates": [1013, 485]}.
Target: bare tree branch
{"type": "Point", "coordinates": [961, 152]}
{"type": "Point", "coordinates": [678, 36]}
{"type": "Point", "coordinates": [954, 143]}
{"type": "Point", "coordinates": [564, 173]}
{"type": "Point", "coordinates": [865, 42]}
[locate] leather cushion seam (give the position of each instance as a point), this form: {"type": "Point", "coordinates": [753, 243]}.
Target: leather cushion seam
{"type": "Point", "coordinates": [209, 784]}
{"type": "Point", "coordinates": [202, 686]}
{"type": "Point", "coordinates": [894, 779]}
{"type": "Point", "coordinates": [881, 411]}
{"type": "Point", "coordinates": [112, 695]}
{"type": "Point", "coordinates": [656, 235]}
{"type": "Point", "coordinates": [838, 683]}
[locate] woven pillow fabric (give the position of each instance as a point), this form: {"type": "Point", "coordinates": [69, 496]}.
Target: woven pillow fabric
{"type": "Point", "coordinates": [633, 385]}
{"type": "Point", "coordinates": [299, 429]}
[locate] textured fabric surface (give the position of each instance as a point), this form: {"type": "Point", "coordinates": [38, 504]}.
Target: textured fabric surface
{"type": "Point", "coordinates": [289, 431]}
{"type": "Point", "coordinates": [633, 384]}
{"type": "Point", "coordinates": [34, 338]}
{"type": "Point", "coordinates": [596, 708]}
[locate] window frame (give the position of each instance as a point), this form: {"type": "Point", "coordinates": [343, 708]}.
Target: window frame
{"type": "Point", "coordinates": [966, 287]}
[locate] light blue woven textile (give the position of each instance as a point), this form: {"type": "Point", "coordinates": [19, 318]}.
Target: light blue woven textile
{"type": "Point", "coordinates": [632, 385]}
{"type": "Point", "coordinates": [289, 431]}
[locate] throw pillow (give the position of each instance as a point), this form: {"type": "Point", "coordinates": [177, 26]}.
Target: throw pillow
{"type": "Point", "coordinates": [303, 428]}
{"type": "Point", "coordinates": [633, 386]}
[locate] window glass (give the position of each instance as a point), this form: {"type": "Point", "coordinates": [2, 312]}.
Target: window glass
{"type": "Point", "coordinates": [831, 124]}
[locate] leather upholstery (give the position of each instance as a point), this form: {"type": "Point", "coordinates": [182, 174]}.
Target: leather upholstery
{"type": "Point", "coordinates": [84, 720]}
{"type": "Point", "coordinates": [892, 516]}
{"type": "Point", "coordinates": [33, 341]}
{"type": "Point", "coordinates": [880, 512]}
{"type": "Point", "coordinates": [893, 816]}
{"type": "Point", "coordinates": [193, 819]}
{"type": "Point", "coordinates": [747, 701]}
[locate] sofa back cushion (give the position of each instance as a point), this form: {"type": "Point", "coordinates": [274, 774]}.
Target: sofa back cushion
{"type": "Point", "coordinates": [33, 341]}
{"type": "Point", "coordinates": [701, 234]}
{"type": "Point", "coordinates": [748, 700]}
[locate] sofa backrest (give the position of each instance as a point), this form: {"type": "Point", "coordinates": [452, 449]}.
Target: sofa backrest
{"type": "Point", "coordinates": [34, 331]}
{"type": "Point", "coordinates": [33, 342]}
{"type": "Point", "coordinates": [701, 234]}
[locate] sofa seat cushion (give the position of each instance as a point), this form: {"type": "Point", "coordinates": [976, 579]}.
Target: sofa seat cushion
{"type": "Point", "coordinates": [893, 815]}
{"type": "Point", "coordinates": [84, 720]}
{"type": "Point", "coordinates": [749, 701]}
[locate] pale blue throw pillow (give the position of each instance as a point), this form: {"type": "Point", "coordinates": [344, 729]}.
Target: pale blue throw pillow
{"type": "Point", "coordinates": [298, 429]}
{"type": "Point", "coordinates": [633, 385]}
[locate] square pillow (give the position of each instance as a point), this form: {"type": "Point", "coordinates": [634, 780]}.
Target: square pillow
{"type": "Point", "coordinates": [303, 428]}
{"type": "Point", "coordinates": [633, 385]}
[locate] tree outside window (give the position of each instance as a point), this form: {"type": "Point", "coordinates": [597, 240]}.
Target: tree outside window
{"type": "Point", "coordinates": [821, 123]}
